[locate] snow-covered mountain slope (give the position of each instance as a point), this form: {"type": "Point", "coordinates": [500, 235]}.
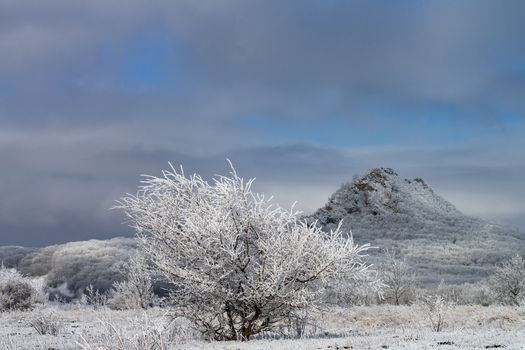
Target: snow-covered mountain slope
{"type": "Point", "coordinates": [440, 242]}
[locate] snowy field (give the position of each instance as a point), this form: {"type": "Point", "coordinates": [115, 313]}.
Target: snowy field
{"type": "Point", "coordinates": [373, 327]}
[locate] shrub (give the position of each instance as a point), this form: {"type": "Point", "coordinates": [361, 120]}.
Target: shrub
{"type": "Point", "coordinates": [16, 295]}
{"type": "Point", "coordinates": [94, 297]}
{"type": "Point", "coordinates": [16, 291]}
{"type": "Point", "coordinates": [437, 308]}
{"type": "Point", "coordinates": [242, 265]}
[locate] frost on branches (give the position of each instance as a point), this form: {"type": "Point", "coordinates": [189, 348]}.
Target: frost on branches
{"type": "Point", "coordinates": [241, 264]}
{"type": "Point", "coordinates": [136, 292]}
{"type": "Point", "coordinates": [508, 281]}
{"type": "Point", "coordinates": [398, 279]}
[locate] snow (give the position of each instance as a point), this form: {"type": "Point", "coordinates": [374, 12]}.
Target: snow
{"type": "Point", "coordinates": [372, 327]}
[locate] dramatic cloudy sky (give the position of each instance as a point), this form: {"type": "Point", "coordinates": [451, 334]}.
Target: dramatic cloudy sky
{"type": "Point", "coordinates": [301, 94]}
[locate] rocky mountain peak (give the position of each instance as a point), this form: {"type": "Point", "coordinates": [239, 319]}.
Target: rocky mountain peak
{"type": "Point", "coordinates": [381, 191]}
{"type": "Point", "coordinates": [378, 176]}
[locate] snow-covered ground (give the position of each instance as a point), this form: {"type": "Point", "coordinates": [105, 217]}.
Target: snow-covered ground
{"type": "Point", "coordinates": [374, 327]}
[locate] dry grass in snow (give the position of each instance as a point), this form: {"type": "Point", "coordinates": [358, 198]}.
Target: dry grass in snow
{"type": "Point", "coordinates": [373, 327]}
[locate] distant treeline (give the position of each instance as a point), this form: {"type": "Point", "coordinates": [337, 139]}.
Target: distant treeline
{"type": "Point", "coordinates": [72, 267]}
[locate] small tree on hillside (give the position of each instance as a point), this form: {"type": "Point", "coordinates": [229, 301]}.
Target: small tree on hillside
{"type": "Point", "coordinates": [508, 281]}
{"type": "Point", "coordinates": [397, 277]}
{"type": "Point", "coordinates": [241, 264]}
{"type": "Point", "coordinates": [136, 291]}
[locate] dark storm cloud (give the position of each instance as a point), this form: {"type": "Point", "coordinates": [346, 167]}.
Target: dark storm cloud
{"type": "Point", "coordinates": [301, 94]}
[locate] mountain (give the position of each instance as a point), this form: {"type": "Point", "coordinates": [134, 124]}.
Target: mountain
{"type": "Point", "coordinates": [434, 237]}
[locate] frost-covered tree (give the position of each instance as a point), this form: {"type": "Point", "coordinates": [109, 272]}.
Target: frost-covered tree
{"type": "Point", "coordinates": [397, 277]}
{"type": "Point", "coordinates": [241, 264]}
{"type": "Point", "coordinates": [508, 281]}
{"type": "Point", "coordinates": [136, 291]}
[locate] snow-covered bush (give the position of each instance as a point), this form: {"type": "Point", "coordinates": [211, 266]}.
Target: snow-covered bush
{"type": "Point", "coordinates": [16, 291]}
{"type": "Point", "coordinates": [16, 295]}
{"type": "Point", "coordinates": [478, 293]}
{"type": "Point", "coordinates": [136, 292]}
{"type": "Point", "coordinates": [350, 293]}
{"type": "Point", "coordinates": [508, 281]}
{"type": "Point", "coordinates": [241, 264]}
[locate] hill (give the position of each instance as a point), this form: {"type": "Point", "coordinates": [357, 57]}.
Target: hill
{"type": "Point", "coordinates": [436, 239]}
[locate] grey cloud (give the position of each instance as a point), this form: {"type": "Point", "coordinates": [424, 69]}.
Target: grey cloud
{"type": "Point", "coordinates": [59, 191]}
{"type": "Point", "coordinates": [74, 138]}
{"type": "Point", "coordinates": [293, 59]}
{"type": "Point", "coordinates": [440, 52]}
{"type": "Point", "coordinates": [38, 35]}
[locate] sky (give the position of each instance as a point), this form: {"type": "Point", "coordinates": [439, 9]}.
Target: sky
{"type": "Point", "coordinates": [301, 95]}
